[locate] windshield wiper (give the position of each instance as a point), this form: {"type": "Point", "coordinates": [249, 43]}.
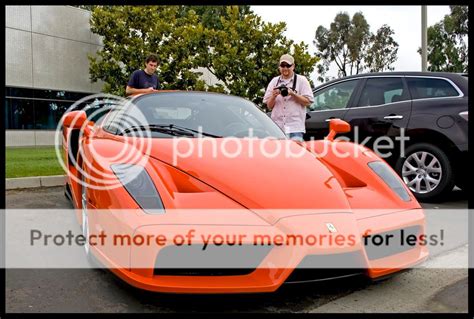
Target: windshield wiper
{"type": "Point", "coordinates": [191, 130]}
{"type": "Point", "coordinates": [167, 129]}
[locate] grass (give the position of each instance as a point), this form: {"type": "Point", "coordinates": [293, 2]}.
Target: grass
{"type": "Point", "coordinates": [31, 161]}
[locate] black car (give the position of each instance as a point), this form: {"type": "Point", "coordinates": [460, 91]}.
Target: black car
{"type": "Point", "coordinates": [417, 121]}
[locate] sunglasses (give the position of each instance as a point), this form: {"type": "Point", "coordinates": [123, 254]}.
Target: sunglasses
{"type": "Point", "coordinates": [285, 65]}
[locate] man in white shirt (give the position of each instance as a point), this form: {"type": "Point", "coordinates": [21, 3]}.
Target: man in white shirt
{"type": "Point", "coordinates": [287, 96]}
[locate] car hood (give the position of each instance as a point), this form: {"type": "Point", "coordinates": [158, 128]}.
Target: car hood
{"type": "Point", "coordinates": [254, 174]}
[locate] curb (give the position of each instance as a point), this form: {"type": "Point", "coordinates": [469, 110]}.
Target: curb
{"type": "Point", "coordinates": [35, 182]}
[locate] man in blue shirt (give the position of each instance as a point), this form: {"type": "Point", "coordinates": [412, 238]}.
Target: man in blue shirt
{"type": "Point", "coordinates": [144, 81]}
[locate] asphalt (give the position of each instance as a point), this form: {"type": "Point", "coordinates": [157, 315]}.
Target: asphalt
{"type": "Point", "coordinates": [98, 290]}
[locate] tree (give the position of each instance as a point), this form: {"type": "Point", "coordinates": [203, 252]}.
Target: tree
{"type": "Point", "coordinates": [447, 42]}
{"type": "Point", "coordinates": [231, 42]}
{"type": "Point", "coordinates": [210, 16]}
{"type": "Point", "coordinates": [243, 52]}
{"type": "Point", "coordinates": [383, 50]}
{"type": "Point", "coordinates": [130, 33]}
{"type": "Point", "coordinates": [352, 47]}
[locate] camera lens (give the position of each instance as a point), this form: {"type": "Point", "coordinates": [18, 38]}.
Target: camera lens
{"type": "Point", "coordinates": [284, 91]}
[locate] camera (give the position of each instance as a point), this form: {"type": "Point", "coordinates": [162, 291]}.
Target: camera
{"type": "Point", "coordinates": [283, 90]}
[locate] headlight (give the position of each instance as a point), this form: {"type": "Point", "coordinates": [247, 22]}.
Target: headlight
{"type": "Point", "coordinates": [386, 174]}
{"type": "Point", "coordinates": [464, 115]}
{"type": "Point", "coordinates": [139, 185]}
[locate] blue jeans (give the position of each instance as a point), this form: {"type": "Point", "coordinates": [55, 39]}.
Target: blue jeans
{"type": "Point", "coordinates": [297, 136]}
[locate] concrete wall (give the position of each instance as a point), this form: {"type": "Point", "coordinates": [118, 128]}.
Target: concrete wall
{"type": "Point", "coordinates": [16, 138]}
{"type": "Point", "coordinates": [208, 77]}
{"type": "Point", "coordinates": [47, 48]}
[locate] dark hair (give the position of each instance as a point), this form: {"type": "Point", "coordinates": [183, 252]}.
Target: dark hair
{"type": "Point", "coordinates": [152, 58]}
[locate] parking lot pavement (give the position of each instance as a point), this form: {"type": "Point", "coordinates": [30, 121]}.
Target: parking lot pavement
{"type": "Point", "coordinates": [97, 290]}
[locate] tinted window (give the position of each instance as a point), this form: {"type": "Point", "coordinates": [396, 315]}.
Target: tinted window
{"type": "Point", "coordinates": [378, 91]}
{"type": "Point", "coordinates": [19, 114]}
{"type": "Point", "coordinates": [18, 92]}
{"type": "Point", "coordinates": [423, 88]}
{"type": "Point", "coordinates": [27, 108]}
{"type": "Point", "coordinates": [333, 97]}
{"type": "Point", "coordinates": [48, 114]}
{"type": "Point", "coordinates": [59, 95]}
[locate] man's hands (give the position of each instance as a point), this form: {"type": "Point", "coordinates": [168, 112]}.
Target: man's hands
{"type": "Point", "coordinates": [303, 100]}
{"type": "Point", "coordinates": [129, 90]}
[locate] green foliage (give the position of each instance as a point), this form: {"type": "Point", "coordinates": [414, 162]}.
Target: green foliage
{"type": "Point", "coordinates": [383, 51]}
{"type": "Point", "coordinates": [231, 42]}
{"type": "Point", "coordinates": [244, 53]}
{"type": "Point", "coordinates": [447, 42]}
{"type": "Point", "coordinates": [130, 33]}
{"type": "Point", "coordinates": [350, 44]}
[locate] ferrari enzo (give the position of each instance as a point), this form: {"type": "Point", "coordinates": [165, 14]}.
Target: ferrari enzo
{"type": "Point", "coordinates": [212, 169]}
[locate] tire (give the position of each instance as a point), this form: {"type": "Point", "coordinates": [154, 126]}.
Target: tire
{"type": "Point", "coordinates": [427, 171]}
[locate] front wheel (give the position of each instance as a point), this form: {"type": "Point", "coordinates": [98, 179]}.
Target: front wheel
{"type": "Point", "coordinates": [427, 171]}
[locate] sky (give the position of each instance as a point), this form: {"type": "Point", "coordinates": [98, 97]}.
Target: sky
{"type": "Point", "coordinates": [405, 21]}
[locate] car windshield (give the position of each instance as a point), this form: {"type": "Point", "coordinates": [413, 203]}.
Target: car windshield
{"type": "Point", "coordinates": [169, 114]}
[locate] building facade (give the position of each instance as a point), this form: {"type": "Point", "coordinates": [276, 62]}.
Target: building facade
{"type": "Point", "coordinates": [46, 69]}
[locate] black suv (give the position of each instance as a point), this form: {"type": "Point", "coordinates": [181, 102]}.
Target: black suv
{"type": "Point", "coordinates": [417, 121]}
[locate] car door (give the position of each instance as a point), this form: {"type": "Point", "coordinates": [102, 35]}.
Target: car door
{"type": "Point", "coordinates": [380, 114]}
{"type": "Point", "coordinates": [330, 102]}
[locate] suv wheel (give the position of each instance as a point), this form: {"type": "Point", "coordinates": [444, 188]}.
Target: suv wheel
{"type": "Point", "coordinates": [426, 170]}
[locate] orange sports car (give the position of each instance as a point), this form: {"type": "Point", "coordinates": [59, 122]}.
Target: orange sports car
{"type": "Point", "coordinates": [197, 192]}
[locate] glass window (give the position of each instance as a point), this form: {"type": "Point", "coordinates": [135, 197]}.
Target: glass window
{"type": "Point", "coordinates": [44, 94]}
{"type": "Point", "coordinates": [59, 95]}
{"type": "Point", "coordinates": [378, 91]}
{"type": "Point", "coordinates": [38, 108]}
{"type": "Point", "coordinates": [48, 114]}
{"type": "Point", "coordinates": [215, 114]}
{"type": "Point", "coordinates": [18, 92]}
{"type": "Point", "coordinates": [19, 114]}
{"type": "Point", "coordinates": [425, 88]}
{"type": "Point", "coordinates": [334, 97]}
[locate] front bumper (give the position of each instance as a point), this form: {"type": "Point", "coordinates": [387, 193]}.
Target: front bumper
{"type": "Point", "coordinates": [275, 265]}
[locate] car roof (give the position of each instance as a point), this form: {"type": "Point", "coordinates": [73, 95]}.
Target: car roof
{"type": "Point", "coordinates": [135, 97]}
{"type": "Point", "coordinates": [449, 75]}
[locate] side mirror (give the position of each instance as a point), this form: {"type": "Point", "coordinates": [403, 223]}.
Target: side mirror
{"type": "Point", "coordinates": [337, 126]}
{"type": "Point", "coordinates": [75, 119]}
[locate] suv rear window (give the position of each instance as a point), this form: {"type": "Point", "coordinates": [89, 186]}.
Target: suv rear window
{"type": "Point", "coordinates": [425, 88]}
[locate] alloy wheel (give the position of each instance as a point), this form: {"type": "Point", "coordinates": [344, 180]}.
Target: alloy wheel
{"type": "Point", "coordinates": [422, 172]}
